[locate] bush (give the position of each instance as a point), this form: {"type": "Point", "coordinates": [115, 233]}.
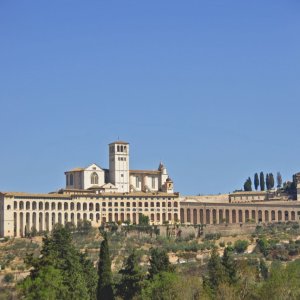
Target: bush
{"type": "Point", "coordinates": [222, 244]}
{"type": "Point", "coordinates": [8, 278]}
{"type": "Point", "coordinates": [212, 236]}
{"type": "Point", "coordinates": [240, 246]}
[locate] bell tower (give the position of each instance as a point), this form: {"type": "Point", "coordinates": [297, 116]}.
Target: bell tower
{"type": "Point", "coordinates": [119, 165]}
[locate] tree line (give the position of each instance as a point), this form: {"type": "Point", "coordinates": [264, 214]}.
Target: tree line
{"type": "Point", "coordinates": [62, 272]}
{"type": "Point", "coordinates": [263, 182]}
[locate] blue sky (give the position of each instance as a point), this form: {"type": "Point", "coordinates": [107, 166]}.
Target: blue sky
{"type": "Point", "coordinates": [211, 88]}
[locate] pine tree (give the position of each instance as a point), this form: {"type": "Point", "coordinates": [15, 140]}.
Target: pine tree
{"type": "Point", "coordinates": [256, 181]}
{"type": "Point", "coordinates": [104, 289]}
{"type": "Point", "coordinates": [267, 181]}
{"type": "Point", "coordinates": [279, 180]}
{"type": "Point", "coordinates": [216, 272]}
{"type": "Point", "coordinates": [159, 262]}
{"type": "Point", "coordinates": [229, 266]}
{"type": "Point", "coordinates": [263, 269]}
{"type": "Point", "coordinates": [248, 185]}
{"type": "Point", "coordinates": [132, 277]}
{"type": "Point", "coordinates": [262, 181]}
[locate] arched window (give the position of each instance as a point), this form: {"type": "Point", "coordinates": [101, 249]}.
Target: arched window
{"type": "Point", "coordinates": [94, 178]}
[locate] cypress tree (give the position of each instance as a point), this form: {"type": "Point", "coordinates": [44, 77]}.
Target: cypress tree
{"type": "Point", "coordinates": [256, 181]}
{"type": "Point", "coordinates": [262, 181]}
{"type": "Point", "coordinates": [132, 278]}
{"type": "Point", "coordinates": [271, 179]}
{"type": "Point", "coordinates": [104, 288]}
{"type": "Point", "coordinates": [267, 181]}
{"type": "Point", "coordinates": [279, 180]}
{"type": "Point", "coordinates": [229, 265]}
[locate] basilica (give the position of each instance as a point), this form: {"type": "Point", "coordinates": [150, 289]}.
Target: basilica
{"type": "Point", "coordinates": [119, 194]}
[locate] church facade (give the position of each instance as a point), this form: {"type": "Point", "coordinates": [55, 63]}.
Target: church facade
{"type": "Point", "coordinates": [100, 195]}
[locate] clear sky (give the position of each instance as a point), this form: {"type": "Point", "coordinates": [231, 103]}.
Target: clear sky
{"type": "Point", "coordinates": [211, 88]}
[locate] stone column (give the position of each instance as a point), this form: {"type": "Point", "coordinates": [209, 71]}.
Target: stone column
{"type": "Point", "coordinates": [217, 216]}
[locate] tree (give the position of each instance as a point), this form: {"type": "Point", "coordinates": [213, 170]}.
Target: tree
{"type": "Point", "coordinates": [216, 271]}
{"type": "Point", "coordinates": [264, 271]}
{"type": "Point", "coordinates": [47, 284]}
{"type": "Point", "coordinates": [104, 289]}
{"type": "Point", "coordinates": [248, 185]}
{"type": "Point", "coordinates": [229, 266]}
{"type": "Point", "coordinates": [267, 181]}
{"type": "Point", "coordinates": [279, 180]}
{"type": "Point", "coordinates": [262, 181]}
{"type": "Point", "coordinates": [256, 181]}
{"type": "Point", "coordinates": [159, 262]}
{"type": "Point", "coordinates": [132, 277]}
{"type": "Point", "coordinates": [164, 285]}
{"type": "Point", "coordinates": [271, 181]}
{"type": "Point", "coordinates": [59, 259]}
{"type": "Point", "coordinates": [240, 246]}
{"type": "Point", "coordinates": [143, 220]}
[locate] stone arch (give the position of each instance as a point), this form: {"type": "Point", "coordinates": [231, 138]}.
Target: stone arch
{"type": "Point", "coordinates": [247, 215]}
{"type": "Point", "coordinates": [233, 212]}
{"type": "Point", "coordinates": [21, 205]}
{"type": "Point", "coordinates": [15, 223]}
{"type": "Point", "coordinates": [293, 216]}
{"type": "Point", "coordinates": [84, 207]}
{"type": "Point", "coordinates": [66, 206]}
{"type": "Point", "coordinates": [240, 216]}
{"type": "Point", "coordinates": [279, 215]}
{"type": "Point", "coordinates": [53, 206]}
{"type": "Point", "coordinates": [91, 217]}
{"type": "Point", "coordinates": [273, 216]}
{"type": "Point", "coordinates": [41, 205]}
{"type": "Point", "coordinates": [253, 215]}
{"type": "Point", "coordinates": [221, 216]}
{"type": "Point", "coordinates": [97, 207]}
{"type": "Point", "coordinates": [47, 228]}
{"type": "Point", "coordinates": [78, 206]}
{"type": "Point", "coordinates": [66, 218]}
{"type": "Point", "coordinates": [286, 215]}
{"type": "Point", "coordinates": [158, 218]}
{"type": "Point", "coordinates": [207, 216]}
{"type": "Point", "coordinates": [41, 222]}
{"type": "Point", "coordinates": [175, 217]}
{"type": "Point", "coordinates": [267, 216]}
{"type": "Point", "coordinates": [194, 216]}
{"type": "Point", "coordinates": [59, 206]}
{"type": "Point", "coordinates": [97, 217]}
{"type": "Point", "coordinates": [260, 216]}
{"type": "Point", "coordinates": [47, 206]}
{"type": "Point", "coordinates": [201, 216]}
{"type": "Point", "coordinates": [188, 215]}
{"type": "Point", "coordinates": [34, 205]}
{"type": "Point", "coordinates": [214, 216]}
{"type": "Point", "coordinates": [59, 218]}
{"type": "Point", "coordinates": [227, 216]}
{"type": "Point", "coordinates": [53, 219]}
{"type": "Point", "coordinates": [181, 215]}
{"type": "Point", "coordinates": [34, 223]}
{"type": "Point", "coordinates": [15, 205]}
{"type": "Point", "coordinates": [91, 206]}
{"type": "Point", "coordinates": [27, 205]}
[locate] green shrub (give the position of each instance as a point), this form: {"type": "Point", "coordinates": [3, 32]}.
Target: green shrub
{"type": "Point", "coordinates": [240, 246]}
{"type": "Point", "coordinates": [8, 278]}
